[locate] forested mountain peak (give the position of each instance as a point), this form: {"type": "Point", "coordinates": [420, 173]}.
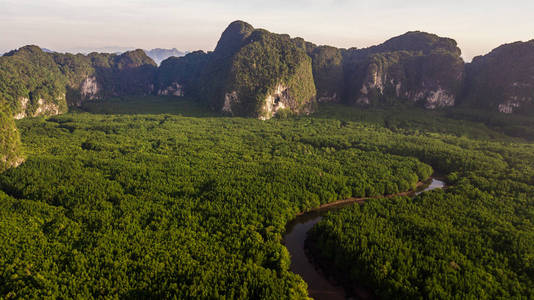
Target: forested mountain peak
{"type": "Point", "coordinates": [233, 36]}
{"type": "Point", "coordinates": [133, 59]}
{"type": "Point", "coordinates": [264, 73]}
{"type": "Point", "coordinates": [252, 72]}
{"type": "Point", "coordinates": [25, 50]}
{"type": "Point", "coordinates": [515, 48]}
{"type": "Point", "coordinates": [37, 83]}
{"type": "Point", "coordinates": [416, 67]}
{"type": "Point", "coordinates": [419, 41]}
{"type": "Point", "coordinates": [503, 79]}
{"type": "Point", "coordinates": [30, 54]}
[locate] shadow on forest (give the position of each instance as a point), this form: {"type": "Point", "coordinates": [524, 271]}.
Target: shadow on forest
{"type": "Point", "coordinates": [149, 105]}
{"type": "Point", "coordinates": [456, 121]}
{"type": "Point", "coordinates": [400, 118]}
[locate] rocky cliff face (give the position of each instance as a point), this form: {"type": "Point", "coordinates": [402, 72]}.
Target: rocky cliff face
{"type": "Point", "coordinates": [252, 72]}
{"type": "Point", "coordinates": [418, 67]}
{"type": "Point", "coordinates": [90, 89]}
{"type": "Point", "coordinates": [181, 76]}
{"type": "Point", "coordinates": [41, 107]}
{"type": "Point", "coordinates": [502, 80]}
{"type": "Point", "coordinates": [31, 83]}
{"type": "Point", "coordinates": [131, 73]}
{"type": "Point", "coordinates": [10, 146]}
{"type": "Point", "coordinates": [327, 66]}
{"type": "Point", "coordinates": [99, 75]}
{"type": "Point", "coordinates": [36, 83]}
{"type": "Point", "coordinates": [261, 73]}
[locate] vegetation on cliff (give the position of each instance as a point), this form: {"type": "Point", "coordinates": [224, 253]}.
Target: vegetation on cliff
{"type": "Point", "coordinates": [185, 71]}
{"type": "Point", "coordinates": [247, 67]}
{"type": "Point", "coordinates": [29, 75]}
{"type": "Point", "coordinates": [417, 41]}
{"type": "Point", "coordinates": [269, 61]}
{"type": "Point", "coordinates": [502, 80]}
{"type": "Point", "coordinates": [327, 66]}
{"type": "Point", "coordinates": [416, 66]}
{"type": "Point", "coordinates": [217, 71]}
{"type": "Point", "coordinates": [130, 73]}
{"type": "Point", "coordinates": [10, 146]}
{"type": "Point", "coordinates": [34, 82]}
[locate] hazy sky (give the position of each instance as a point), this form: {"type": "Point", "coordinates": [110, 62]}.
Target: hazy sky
{"type": "Point", "coordinates": [62, 25]}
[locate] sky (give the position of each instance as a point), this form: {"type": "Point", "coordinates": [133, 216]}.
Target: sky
{"type": "Point", "coordinates": [75, 25]}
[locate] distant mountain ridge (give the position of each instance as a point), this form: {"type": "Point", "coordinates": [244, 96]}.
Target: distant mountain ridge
{"type": "Point", "coordinates": [88, 50]}
{"type": "Point", "coordinates": [159, 54]}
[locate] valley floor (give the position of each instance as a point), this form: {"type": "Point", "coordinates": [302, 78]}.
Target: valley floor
{"type": "Point", "coordinates": [158, 198]}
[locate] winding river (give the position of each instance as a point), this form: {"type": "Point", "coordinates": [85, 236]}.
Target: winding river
{"type": "Point", "coordinates": [319, 286]}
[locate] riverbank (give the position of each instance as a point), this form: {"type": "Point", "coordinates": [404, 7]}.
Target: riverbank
{"type": "Point", "coordinates": [325, 267]}
{"type": "Point", "coordinates": [418, 187]}
{"type": "Point", "coordinates": [316, 272]}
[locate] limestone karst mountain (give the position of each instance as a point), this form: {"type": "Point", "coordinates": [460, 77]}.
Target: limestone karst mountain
{"type": "Point", "coordinates": [252, 72]}
{"type": "Point", "coordinates": [34, 82]}
{"type": "Point", "coordinates": [502, 80]}
{"type": "Point", "coordinates": [417, 66]}
{"type": "Point", "coordinates": [256, 73]}
{"type": "Point", "coordinates": [178, 76]}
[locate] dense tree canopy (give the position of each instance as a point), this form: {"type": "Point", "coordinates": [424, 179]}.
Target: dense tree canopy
{"type": "Point", "coordinates": [473, 240]}
{"type": "Point", "coordinates": [162, 206]}
{"type": "Point", "coordinates": [166, 206]}
{"type": "Point", "coordinates": [10, 147]}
